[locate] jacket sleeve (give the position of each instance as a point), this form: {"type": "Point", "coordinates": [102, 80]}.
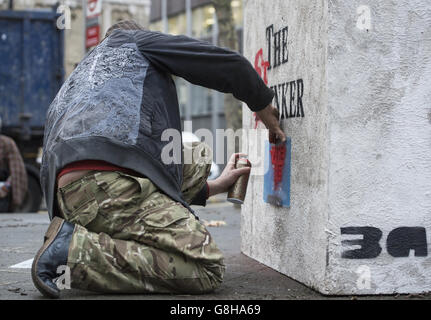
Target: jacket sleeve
{"type": "Point", "coordinates": [201, 197]}
{"type": "Point", "coordinates": [206, 65]}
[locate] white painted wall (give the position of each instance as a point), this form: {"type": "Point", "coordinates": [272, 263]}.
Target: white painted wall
{"type": "Point", "coordinates": [292, 241]}
{"type": "Point", "coordinates": [380, 136]}
{"type": "Point", "coordinates": [361, 156]}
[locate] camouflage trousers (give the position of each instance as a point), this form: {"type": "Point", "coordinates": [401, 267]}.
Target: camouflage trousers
{"type": "Point", "coordinates": [132, 238]}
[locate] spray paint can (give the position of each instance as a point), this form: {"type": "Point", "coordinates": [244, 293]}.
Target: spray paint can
{"type": "Point", "coordinates": [237, 191]}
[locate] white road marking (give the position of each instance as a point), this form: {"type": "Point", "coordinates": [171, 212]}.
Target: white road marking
{"type": "Point", "coordinates": [23, 265]}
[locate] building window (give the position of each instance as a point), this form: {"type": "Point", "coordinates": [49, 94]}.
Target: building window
{"type": "Point", "coordinates": [237, 12]}
{"type": "Point", "coordinates": [203, 22]}
{"type": "Point", "coordinates": [156, 26]}
{"type": "Point", "coordinates": [202, 27]}
{"type": "Point", "coordinates": [177, 24]}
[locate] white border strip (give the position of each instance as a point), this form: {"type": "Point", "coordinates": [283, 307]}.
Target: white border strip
{"type": "Point", "coordinates": [23, 265]}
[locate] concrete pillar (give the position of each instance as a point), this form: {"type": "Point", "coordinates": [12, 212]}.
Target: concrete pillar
{"type": "Point", "coordinates": [352, 80]}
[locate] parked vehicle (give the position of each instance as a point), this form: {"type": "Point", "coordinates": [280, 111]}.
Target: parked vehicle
{"type": "Point", "coordinates": [31, 73]}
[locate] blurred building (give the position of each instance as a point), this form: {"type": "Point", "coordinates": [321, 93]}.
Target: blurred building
{"type": "Point", "coordinates": [112, 12]}
{"type": "Point", "coordinates": [195, 18]}
{"type": "Point", "coordinates": [41, 42]}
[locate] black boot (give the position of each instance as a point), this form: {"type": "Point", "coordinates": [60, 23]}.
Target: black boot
{"type": "Point", "coordinates": [53, 254]}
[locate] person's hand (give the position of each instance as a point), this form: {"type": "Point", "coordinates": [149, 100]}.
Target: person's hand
{"type": "Point", "coordinates": [228, 177]}
{"type": "Point", "coordinates": [4, 190]}
{"type": "Point", "coordinates": [3, 193]}
{"type": "Point", "coordinates": [270, 118]}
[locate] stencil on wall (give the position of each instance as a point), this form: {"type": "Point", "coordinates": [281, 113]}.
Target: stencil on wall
{"type": "Point", "coordinates": [276, 187]}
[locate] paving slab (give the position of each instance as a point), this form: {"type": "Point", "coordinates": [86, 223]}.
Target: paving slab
{"type": "Point", "coordinates": [21, 235]}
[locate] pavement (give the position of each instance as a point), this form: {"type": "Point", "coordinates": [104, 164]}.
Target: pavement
{"type": "Point", "coordinates": [21, 235]}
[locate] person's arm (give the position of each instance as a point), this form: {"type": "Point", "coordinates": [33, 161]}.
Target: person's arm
{"type": "Point", "coordinates": [228, 177]}
{"type": "Point", "coordinates": [221, 69]}
{"type": "Point", "coordinates": [201, 197]}
{"type": "Point", "coordinates": [222, 184]}
{"type": "Point", "coordinates": [270, 117]}
{"type": "Point", "coordinates": [206, 65]}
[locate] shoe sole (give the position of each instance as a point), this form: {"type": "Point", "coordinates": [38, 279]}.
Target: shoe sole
{"type": "Point", "coordinates": [53, 229]}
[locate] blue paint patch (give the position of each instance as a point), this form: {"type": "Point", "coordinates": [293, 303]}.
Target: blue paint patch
{"type": "Point", "coordinates": [280, 197]}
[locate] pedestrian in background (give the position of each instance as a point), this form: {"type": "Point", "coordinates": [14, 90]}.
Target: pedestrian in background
{"type": "Point", "coordinates": [13, 176]}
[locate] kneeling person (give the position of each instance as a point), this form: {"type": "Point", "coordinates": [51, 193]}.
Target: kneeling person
{"type": "Point", "coordinates": [121, 216]}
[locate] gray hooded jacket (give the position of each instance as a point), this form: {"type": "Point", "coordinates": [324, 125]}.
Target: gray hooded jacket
{"type": "Point", "coordinates": [121, 97]}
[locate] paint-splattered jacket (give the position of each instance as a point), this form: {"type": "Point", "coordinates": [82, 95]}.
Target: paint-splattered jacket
{"type": "Point", "coordinates": [121, 97]}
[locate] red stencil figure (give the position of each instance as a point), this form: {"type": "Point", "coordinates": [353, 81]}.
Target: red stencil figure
{"type": "Point", "coordinates": [261, 66]}
{"type": "Point", "coordinates": [278, 156]}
